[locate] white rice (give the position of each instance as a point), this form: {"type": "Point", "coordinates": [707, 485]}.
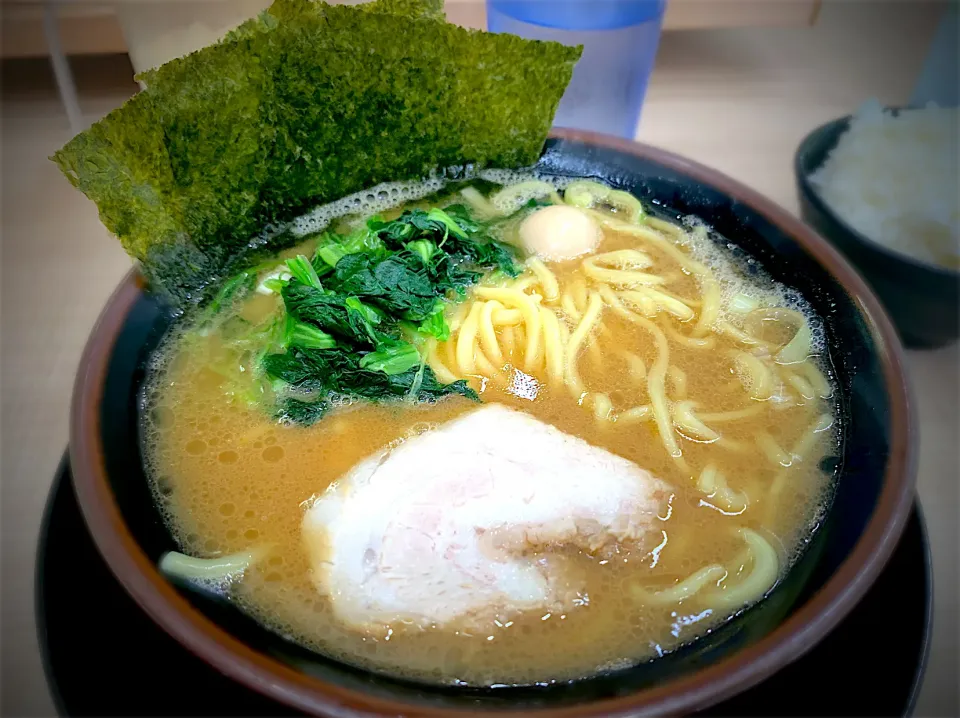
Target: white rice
{"type": "Point", "coordinates": [895, 180]}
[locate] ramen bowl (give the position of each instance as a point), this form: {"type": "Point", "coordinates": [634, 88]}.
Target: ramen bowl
{"type": "Point", "coordinates": [922, 298]}
{"type": "Point", "coordinates": [856, 536]}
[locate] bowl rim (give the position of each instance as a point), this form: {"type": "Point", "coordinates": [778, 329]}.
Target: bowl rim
{"type": "Point", "coordinates": [714, 683]}
{"type": "Point", "coordinates": [816, 198]}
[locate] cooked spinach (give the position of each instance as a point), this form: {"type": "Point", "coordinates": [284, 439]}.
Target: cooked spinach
{"type": "Point", "coordinates": [358, 314]}
{"type": "Point", "coordinates": [329, 312]}
{"type": "Point", "coordinates": [333, 374]}
{"type": "Point", "coordinates": [397, 283]}
{"type": "Point", "coordinates": [392, 358]}
{"type": "Point", "coordinates": [305, 413]}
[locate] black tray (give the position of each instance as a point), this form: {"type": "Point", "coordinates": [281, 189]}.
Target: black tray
{"type": "Point", "coordinates": [103, 656]}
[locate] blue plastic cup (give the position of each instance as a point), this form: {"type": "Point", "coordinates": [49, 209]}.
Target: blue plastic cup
{"type": "Point", "coordinates": [619, 39]}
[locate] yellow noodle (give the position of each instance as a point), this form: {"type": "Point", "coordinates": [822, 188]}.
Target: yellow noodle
{"type": "Point", "coordinates": [798, 348]}
{"type": "Point", "coordinates": [800, 384]}
{"type": "Point", "coordinates": [685, 420]}
{"type": "Point", "coordinates": [531, 316]}
{"type": "Point", "coordinates": [553, 345]}
{"type": "Point", "coordinates": [691, 342]}
{"type": "Point", "coordinates": [569, 306]}
{"type": "Point", "coordinates": [525, 282]}
{"type": "Point", "coordinates": [757, 377]}
{"type": "Point", "coordinates": [620, 277]}
{"type": "Point", "coordinates": [766, 568]}
{"type": "Point", "coordinates": [579, 290]}
{"type": "Point", "coordinates": [484, 366]}
{"type": "Point", "coordinates": [813, 375]}
{"type": "Point", "coordinates": [655, 238]}
{"type": "Point", "coordinates": [799, 454]}
{"type": "Point", "coordinates": [478, 202]}
{"type": "Point", "coordinates": [507, 317]}
{"type": "Point", "coordinates": [685, 589]}
{"type": "Point", "coordinates": [672, 305]}
{"type": "Point", "coordinates": [621, 259]}
{"type": "Point", "coordinates": [638, 370]}
{"type": "Point", "coordinates": [710, 309]}
{"type": "Point", "coordinates": [685, 300]}
{"type": "Point", "coordinates": [714, 485]}
{"type": "Point", "coordinates": [782, 402]}
{"type": "Point", "coordinates": [644, 302]}
{"type": "Point", "coordinates": [637, 413]}
{"type": "Point", "coordinates": [663, 301]}
{"type": "Point", "coordinates": [508, 340]}
{"type": "Point", "coordinates": [496, 280]}
{"type": "Point", "coordinates": [459, 314]}
{"type": "Point", "coordinates": [593, 351]}
{"type": "Point", "coordinates": [678, 380]}
{"type": "Point", "coordinates": [439, 368]}
{"type": "Point", "coordinates": [610, 297]}
{"type": "Point", "coordinates": [587, 193]}
{"type": "Point", "coordinates": [577, 338]}
{"type": "Point", "coordinates": [729, 444]}
{"type": "Point", "coordinates": [551, 289]}
{"type": "Point", "coordinates": [602, 407]}
{"type": "Point", "coordinates": [467, 340]}
{"type": "Point", "coordinates": [674, 275]}
{"type": "Point", "coordinates": [663, 226]}
{"type": "Point", "coordinates": [741, 336]}
{"type": "Point", "coordinates": [488, 334]}
{"type": "Point", "coordinates": [450, 350]}
{"type": "Point", "coordinates": [656, 384]}
{"type": "Point", "coordinates": [656, 388]}
{"type": "Point", "coordinates": [771, 449]}
{"type": "Point", "coordinates": [520, 331]}
{"type": "Point", "coordinates": [718, 416]}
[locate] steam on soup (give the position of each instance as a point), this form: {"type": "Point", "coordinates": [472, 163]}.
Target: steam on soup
{"type": "Point", "coordinates": [452, 441]}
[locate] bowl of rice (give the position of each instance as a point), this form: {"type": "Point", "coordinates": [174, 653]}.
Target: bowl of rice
{"type": "Point", "coordinates": [882, 186]}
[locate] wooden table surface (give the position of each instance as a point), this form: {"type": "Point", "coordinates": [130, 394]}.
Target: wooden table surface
{"type": "Point", "coordinates": [739, 100]}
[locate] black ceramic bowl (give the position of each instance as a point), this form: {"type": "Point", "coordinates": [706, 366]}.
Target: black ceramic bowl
{"type": "Point", "coordinates": [923, 299]}
{"type": "Point", "coordinates": [875, 489]}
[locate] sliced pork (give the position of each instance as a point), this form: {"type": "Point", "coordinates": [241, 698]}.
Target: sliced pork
{"type": "Point", "coordinates": [458, 523]}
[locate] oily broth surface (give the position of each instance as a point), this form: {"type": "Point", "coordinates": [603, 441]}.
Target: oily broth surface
{"type": "Point", "coordinates": [229, 478]}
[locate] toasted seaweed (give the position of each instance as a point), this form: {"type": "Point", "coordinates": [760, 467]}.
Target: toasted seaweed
{"type": "Point", "coordinates": [302, 105]}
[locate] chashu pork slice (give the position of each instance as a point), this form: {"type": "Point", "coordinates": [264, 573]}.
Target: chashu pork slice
{"type": "Point", "coordinates": [454, 523]}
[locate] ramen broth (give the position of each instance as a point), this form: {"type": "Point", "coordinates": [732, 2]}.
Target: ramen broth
{"type": "Point", "coordinates": [229, 477]}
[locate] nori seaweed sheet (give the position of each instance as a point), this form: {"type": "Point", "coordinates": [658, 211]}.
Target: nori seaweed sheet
{"type": "Point", "coordinates": [298, 107]}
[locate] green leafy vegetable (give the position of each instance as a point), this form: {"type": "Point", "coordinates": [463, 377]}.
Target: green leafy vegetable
{"type": "Point", "coordinates": [366, 315]}
{"type": "Point", "coordinates": [424, 248]}
{"type": "Point", "coordinates": [449, 226]}
{"type": "Point", "coordinates": [309, 337]}
{"type": "Point", "coordinates": [462, 239]}
{"type": "Point", "coordinates": [302, 269]}
{"type": "Point", "coordinates": [298, 107]}
{"type": "Point", "coordinates": [333, 248]}
{"type": "Point", "coordinates": [232, 290]}
{"type": "Point", "coordinates": [179, 565]}
{"type": "Point", "coordinates": [384, 291]}
{"type": "Point", "coordinates": [395, 358]}
{"type": "Point", "coordinates": [436, 325]}
{"type": "Point", "coordinates": [329, 312]}
{"type": "Point", "coordinates": [397, 283]}
{"type": "Point", "coordinates": [305, 413]}
{"type": "Point", "coordinates": [338, 373]}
